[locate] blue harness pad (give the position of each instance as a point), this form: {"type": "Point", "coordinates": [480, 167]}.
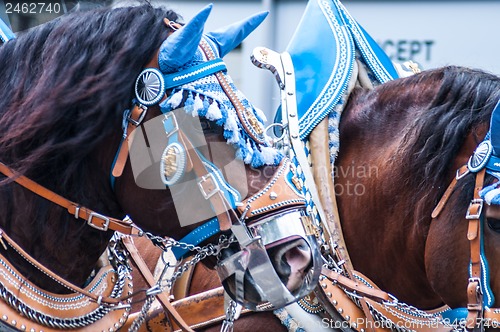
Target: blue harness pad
{"type": "Point", "coordinates": [323, 51]}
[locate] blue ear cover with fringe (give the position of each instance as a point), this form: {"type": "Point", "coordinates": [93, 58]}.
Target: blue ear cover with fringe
{"type": "Point", "coordinates": [180, 47]}
{"type": "Point", "coordinates": [227, 38]}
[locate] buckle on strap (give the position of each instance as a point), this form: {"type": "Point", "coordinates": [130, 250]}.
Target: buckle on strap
{"type": "Point", "coordinates": [208, 185]}
{"type": "Point", "coordinates": [170, 124]}
{"type": "Point", "coordinates": [137, 122]}
{"type": "Point", "coordinates": [105, 225]}
{"type": "Point", "coordinates": [470, 213]}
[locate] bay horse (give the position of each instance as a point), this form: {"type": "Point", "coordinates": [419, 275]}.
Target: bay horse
{"type": "Point", "coordinates": [401, 145]}
{"type": "Point", "coordinates": [65, 87]}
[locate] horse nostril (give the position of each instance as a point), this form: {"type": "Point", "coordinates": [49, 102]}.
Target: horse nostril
{"type": "Point", "coordinates": [291, 261]}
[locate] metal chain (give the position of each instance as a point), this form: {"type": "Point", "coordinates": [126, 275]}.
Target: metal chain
{"type": "Point", "coordinates": [202, 252]}
{"type": "Point", "coordinates": [142, 315]}
{"type": "Point", "coordinates": [227, 324]}
{"type": "Point", "coordinates": [166, 244]}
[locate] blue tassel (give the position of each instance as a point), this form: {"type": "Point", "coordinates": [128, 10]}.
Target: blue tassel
{"type": "Point", "coordinates": [189, 103]}
{"type": "Point", "coordinates": [239, 154]}
{"type": "Point", "coordinates": [257, 159]}
{"type": "Point", "coordinates": [278, 158]}
{"type": "Point", "coordinates": [165, 106]}
{"type": "Point", "coordinates": [220, 122]}
{"type": "Point", "coordinates": [206, 105]}
{"type": "Point", "coordinates": [228, 134]}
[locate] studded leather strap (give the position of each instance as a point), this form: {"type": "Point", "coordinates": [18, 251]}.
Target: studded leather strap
{"type": "Point", "coordinates": [148, 276]}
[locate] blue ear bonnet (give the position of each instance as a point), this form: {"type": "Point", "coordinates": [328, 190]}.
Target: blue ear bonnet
{"type": "Point", "coordinates": [204, 94]}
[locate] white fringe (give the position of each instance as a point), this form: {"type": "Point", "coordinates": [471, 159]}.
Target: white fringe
{"type": "Point", "coordinates": [198, 105]}
{"type": "Point", "coordinates": [176, 99]}
{"type": "Point", "coordinates": [268, 155]}
{"type": "Point", "coordinates": [248, 158]}
{"type": "Point", "coordinates": [213, 112]}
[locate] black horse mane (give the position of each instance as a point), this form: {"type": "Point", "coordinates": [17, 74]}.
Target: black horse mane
{"type": "Point", "coordinates": [65, 87]}
{"type": "Point", "coordinates": [442, 107]}
{"type": "Point", "coordinates": [462, 106]}
{"type": "Point", "coordinates": [464, 101]}
{"type": "Point", "coordinates": [66, 84]}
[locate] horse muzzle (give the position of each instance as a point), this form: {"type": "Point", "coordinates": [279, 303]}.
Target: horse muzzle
{"type": "Point", "coordinates": [277, 262]}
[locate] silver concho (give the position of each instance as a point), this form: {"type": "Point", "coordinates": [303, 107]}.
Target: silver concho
{"type": "Point", "coordinates": [173, 163]}
{"type": "Point", "coordinates": [150, 87]}
{"type": "Point", "coordinates": [480, 156]}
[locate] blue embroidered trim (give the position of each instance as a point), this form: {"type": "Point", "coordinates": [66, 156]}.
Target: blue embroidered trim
{"type": "Point", "coordinates": [194, 73]}
{"type": "Point", "coordinates": [339, 78]}
{"type": "Point", "coordinates": [375, 57]}
{"type": "Point", "coordinates": [197, 236]}
{"type": "Point", "coordinates": [493, 164]}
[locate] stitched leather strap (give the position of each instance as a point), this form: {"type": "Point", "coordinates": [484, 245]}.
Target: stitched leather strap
{"type": "Point", "coordinates": [93, 218]}
{"type": "Point", "coordinates": [148, 277]}
{"type": "Point", "coordinates": [353, 286]}
{"type": "Point", "coordinates": [134, 120]}
{"type": "Point", "coordinates": [474, 294]}
{"type": "Point", "coordinates": [218, 201]}
{"type": "Point", "coordinates": [442, 202]}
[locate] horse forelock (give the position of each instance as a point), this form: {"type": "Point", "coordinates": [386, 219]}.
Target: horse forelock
{"type": "Point", "coordinates": [67, 83]}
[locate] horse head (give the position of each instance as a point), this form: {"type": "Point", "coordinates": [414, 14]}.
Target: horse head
{"type": "Point", "coordinates": [189, 144]}
{"type": "Point", "coordinates": [189, 68]}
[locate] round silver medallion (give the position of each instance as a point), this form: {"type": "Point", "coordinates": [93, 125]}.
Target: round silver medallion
{"type": "Point", "coordinates": [480, 156]}
{"type": "Point", "coordinates": [149, 87]}
{"type": "Point", "coordinates": [173, 163]}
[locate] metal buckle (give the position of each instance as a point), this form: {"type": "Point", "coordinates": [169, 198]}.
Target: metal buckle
{"type": "Point", "coordinates": [141, 116]}
{"type": "Point", "coordinates": [104, 227]}
{"type": "Point", "coordinates": [168, 116]}
{"type": "Point", "coordinates": [470, 216]}
{"type": "Point", "coordinates": [458, 176]}
{"type": "Point", "coordinates": [478, 281]}
{"type": "Point", "coordinates": [203, 179]}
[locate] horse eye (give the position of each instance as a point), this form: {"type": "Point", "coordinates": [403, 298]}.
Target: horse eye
{"type": "Point", "coordinates": [494, 224]}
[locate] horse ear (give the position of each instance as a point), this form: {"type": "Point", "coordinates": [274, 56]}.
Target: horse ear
{"type": "Point", "coordinates": [180, 47]}
{"type": "Point", "coordinates": [229, 37]}
{"type": "Point", "coordinates": [495, 129]}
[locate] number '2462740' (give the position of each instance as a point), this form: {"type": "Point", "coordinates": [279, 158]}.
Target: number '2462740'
{"type": "Point", "coordinates": [32, 8]}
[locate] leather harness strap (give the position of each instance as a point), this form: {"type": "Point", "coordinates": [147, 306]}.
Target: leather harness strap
{"type": "Point", "coordinates": [208, 185]}
{"type": "Point", "coordinates": [133, 121]}
{"type": "Point", "coordinates": [94, 219]}
{"type": "Point", "coordinates": [474, 294]}
{"type": "Point", "coordinates": [148, 277]}
{"type": "Point", "coordinates": [462, 171]}
{"type": "Point", "coordinates": [354, 286]}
